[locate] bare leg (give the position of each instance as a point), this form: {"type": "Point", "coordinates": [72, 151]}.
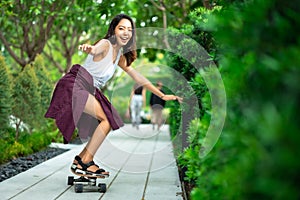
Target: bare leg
{"type": "Point", "coordinates": [159, 118]}
{"type": "Point", "coordinates": [94, 109]}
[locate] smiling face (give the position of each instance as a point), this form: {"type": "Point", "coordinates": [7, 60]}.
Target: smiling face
{"type": "Point", "coordinates": [123, 32]}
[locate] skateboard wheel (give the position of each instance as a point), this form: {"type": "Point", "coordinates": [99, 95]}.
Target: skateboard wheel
{"type": "Point", "coordinates": [102, 187]}
{"type": "Point", "coordinates": [70, 180]}
{"type": "Point", "coordinates": [78, 188]}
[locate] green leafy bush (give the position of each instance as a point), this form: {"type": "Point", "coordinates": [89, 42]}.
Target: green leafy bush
{"type": "Point", "coordinates": [45, 86]}
{"type": "Point", "coordinates": [256, 44]}
{"type": "Point", "coordinates": [27, 98]}
{"type": "Point", "coordinates": [186, 43]}
{"type": "Point", "coordinates": [35, 141]}
{"type": "Point", "coordinates": [27, 144]}
{"type": "Point", "coordinates": [257, 154]}
{"type": "Point", "coordinates": [5, 95]}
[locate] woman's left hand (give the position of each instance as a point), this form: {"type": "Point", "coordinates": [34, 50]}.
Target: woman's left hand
{"type": "Point", "coordinates": [172, 97]}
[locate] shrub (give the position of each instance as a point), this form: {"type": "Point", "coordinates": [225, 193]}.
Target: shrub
{"type": "Point", "coordinates": [44, 85]}
{"type": "Point", "coordinates": [257, 154]}
{"type": "Point", "coordinates": [186, 43]}
{"type": "Point", "coordinates": [256, 157]}
{"type": "Point", "coordinates": [27, 98]}
{"type": "Point", "coordinates": [5, 95]}
{"type": "Point", "coordinates": [35, 141]}
{"type": "Point", "coordinates": [27, 144]}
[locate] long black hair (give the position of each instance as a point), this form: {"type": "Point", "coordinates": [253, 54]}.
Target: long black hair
{"type": "Point", "coordinates": [130, 48]}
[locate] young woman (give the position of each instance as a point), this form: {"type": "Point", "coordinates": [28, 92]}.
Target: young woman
{"type": "Point", "coordinates": [137, 101]}
{"type": "Point", "coordinates": [157, 106]}
{"type": "Point", "coordinates": [77, 100]}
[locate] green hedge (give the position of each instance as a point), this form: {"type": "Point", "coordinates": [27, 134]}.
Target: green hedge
{"type": "Point", "coordinates": [5, 94]}
{"type": "Point", "coordinates": [27, 144]}
{"type": "Point", "coordinates": [258, 48]}
{"type": "Point", "coordinates": [26, 98]}
{"type": "Point", "coordinates": [187, 62]}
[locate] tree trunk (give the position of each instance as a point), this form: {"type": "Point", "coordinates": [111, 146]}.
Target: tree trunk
{"type": "Point", "coordinates": [207, 4]}
{"type": "Point", "coordinates": [18, 123]}
{"type": "Point", "coordinates": [162, 8]}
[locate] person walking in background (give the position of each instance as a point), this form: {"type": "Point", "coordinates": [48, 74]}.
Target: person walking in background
{"type": "Point", "coordinates": [137, 101]}
{"type": "Point", "coordinates": [77, 100]}
{"type": "Point", "coordinates": [157, 105]}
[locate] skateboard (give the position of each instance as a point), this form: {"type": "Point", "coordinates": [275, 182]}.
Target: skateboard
{"type": "Point", "coordinates": [87, 183]}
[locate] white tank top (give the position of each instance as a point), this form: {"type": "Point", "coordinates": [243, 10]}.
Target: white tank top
{"type": "Point", "coordinates": [104, 69]}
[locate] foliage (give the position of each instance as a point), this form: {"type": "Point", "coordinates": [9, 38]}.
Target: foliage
{"type": "Point", "coordinates": [24, 34]}
{"type": "Point", "coordinates": [30, 91]}
{"type": "Point", "coordinates": [198, 46]}
{"type": "Point", "coordinates": [257, 154]}
{"type": "Point", "coordinates": [55, 28]}
{"type": "Point", "coordinates": [44, 85]}
{"type": "Point", "coordinates": [27, 98]}
{"type": "Point", "coordinates": [5, 94]}
{"type": "Point", "coordinates": [27, 144]}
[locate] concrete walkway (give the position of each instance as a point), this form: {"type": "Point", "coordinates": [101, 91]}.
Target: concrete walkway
{"type": "Point", "coordinates": [141, 165]}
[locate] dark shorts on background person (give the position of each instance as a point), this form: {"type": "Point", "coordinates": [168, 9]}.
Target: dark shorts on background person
{"type": "Point", "coordinates": [68, 102]}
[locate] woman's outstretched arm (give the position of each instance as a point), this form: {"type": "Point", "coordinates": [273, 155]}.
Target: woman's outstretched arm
{"type": "Point", "coordinates": [141, 80]}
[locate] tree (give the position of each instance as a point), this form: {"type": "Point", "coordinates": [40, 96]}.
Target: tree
{"type": "Point", "coordinates": [54, 28]}
{"type": "Point", "coordinates": [25, 26]}
{"type": "Point", "coordinates": [27, 99]}
{"type": "Point", "coordinates": [87, 27]}
{"type": "Point", "coordinates": [5, 94]}
{"type": "Point", "coordinates": [44, 83]}
{"type": "Point", "coordinates": [162, 14]}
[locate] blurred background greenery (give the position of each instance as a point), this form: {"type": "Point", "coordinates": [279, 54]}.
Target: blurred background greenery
{"type": "Point", "coordinates": [254, 44]}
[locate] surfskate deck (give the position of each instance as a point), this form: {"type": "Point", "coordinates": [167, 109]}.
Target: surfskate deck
{"type": "Point", "coordinates": [91, 175]}
{"type": "Point", "coordinates": [84, 183]}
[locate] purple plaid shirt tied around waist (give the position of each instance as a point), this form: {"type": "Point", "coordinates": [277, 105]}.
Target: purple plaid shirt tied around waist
{"type": "Point", "coordinates": [68, 102]}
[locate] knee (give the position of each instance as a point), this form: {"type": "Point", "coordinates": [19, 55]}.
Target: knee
{"type": "Point", "coordinates": [100, 116]}
{"type": "Point", "coordinates": [106, 126]}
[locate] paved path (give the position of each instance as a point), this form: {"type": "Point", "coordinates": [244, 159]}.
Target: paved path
{"type": "Point", "coordinates": [141, 165]}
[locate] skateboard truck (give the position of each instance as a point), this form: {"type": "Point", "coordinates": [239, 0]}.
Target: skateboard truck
{"type": "Point", "coordinates": [86, 182]}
